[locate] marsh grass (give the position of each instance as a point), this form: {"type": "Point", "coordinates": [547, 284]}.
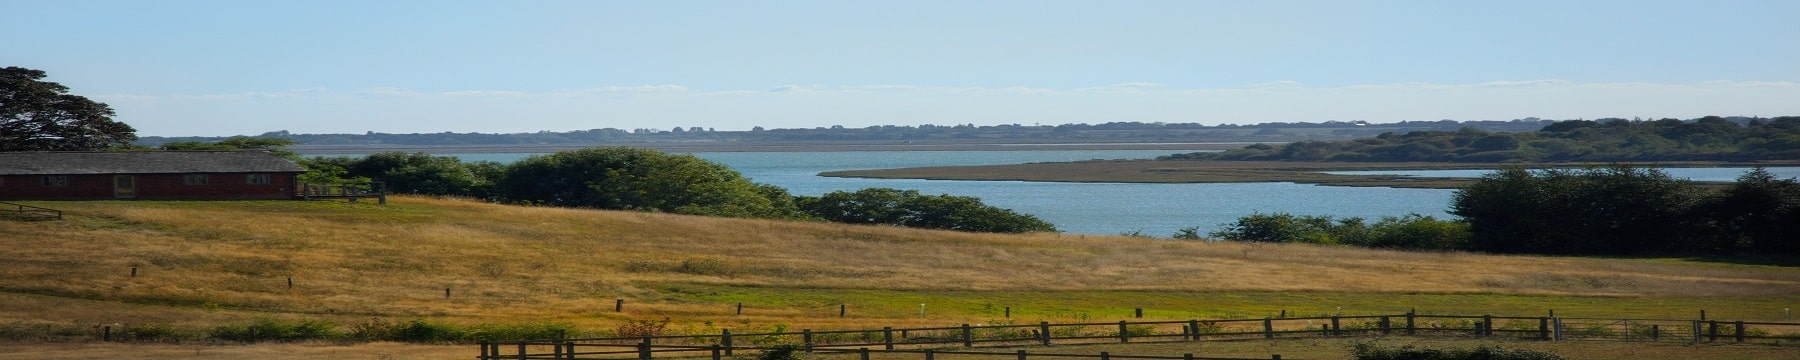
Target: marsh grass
{"type": "Point", "coordinates": [203, 265]}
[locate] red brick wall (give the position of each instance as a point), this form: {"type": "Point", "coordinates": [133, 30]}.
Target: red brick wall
{"type": "Point", "coordinates": [225, 186]}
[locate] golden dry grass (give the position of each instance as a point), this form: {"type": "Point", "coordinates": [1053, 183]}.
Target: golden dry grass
{"type": "Point", "coordinates": [205, 263]}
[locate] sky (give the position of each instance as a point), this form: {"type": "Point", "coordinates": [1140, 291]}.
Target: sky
{"type": "Point", "coordinates": [232, 67]}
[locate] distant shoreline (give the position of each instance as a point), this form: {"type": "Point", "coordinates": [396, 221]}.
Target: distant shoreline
{"type": "Point", "coordinates": [1226, 171]}
{"type": "Point", "coordinates": [771, 147]}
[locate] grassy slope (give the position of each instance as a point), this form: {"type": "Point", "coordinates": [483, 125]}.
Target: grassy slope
{"type": "Point", "coordinates": [203, 263]}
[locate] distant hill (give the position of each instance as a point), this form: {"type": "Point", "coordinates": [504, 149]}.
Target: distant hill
{"type": "Point", "coordinates": [1710, 138]}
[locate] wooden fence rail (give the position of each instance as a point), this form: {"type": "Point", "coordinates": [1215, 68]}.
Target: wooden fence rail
{"type": "Point", "coordinates": [925, 340]}
{"type": "Point", "coordinates": [29, 212]}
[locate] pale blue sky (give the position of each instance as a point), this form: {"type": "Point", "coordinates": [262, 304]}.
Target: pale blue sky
{"type": "Point", "coordinates": [246, 67]}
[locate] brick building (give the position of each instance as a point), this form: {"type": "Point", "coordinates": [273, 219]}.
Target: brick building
{"type": "Point", "coordinates": [161, 175]}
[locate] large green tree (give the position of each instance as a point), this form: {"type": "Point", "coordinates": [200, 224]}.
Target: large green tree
{"type": "Point", "coordinates": [1612, 210]}
{"type": "Point", "coordinates": [38, 115]}
{"type": "Point", "coordinates": [641, 179]}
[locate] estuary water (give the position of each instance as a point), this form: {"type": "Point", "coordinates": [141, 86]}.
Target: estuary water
{"type": "Point", "coordinates": [1081, 208]}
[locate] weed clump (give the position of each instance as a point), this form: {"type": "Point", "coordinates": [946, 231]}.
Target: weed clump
{"type": "Point", "coordinates": [1369, 351]}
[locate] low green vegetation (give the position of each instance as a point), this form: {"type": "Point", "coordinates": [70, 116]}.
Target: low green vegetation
{"type": "Point", "coordinates": [1617, 210]}
{"type": "Point", "coordinates": [1409, 232]}
{"type": "Point", "coordinates": [911, 209]}
{"type": "Point", "coordinates": [1710, 138]}
{"type": "Point", "coordinates": [650, 180]}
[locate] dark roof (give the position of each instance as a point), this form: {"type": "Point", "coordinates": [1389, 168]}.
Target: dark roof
{"type": "Point", "coordinates": [142, 162]}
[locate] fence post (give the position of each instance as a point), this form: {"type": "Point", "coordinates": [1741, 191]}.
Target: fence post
{"type": "Point", "coordinates": [1487, 325]}
{"type": "Point", "coordinates": [643, 349]}
{"type": "Point", "coordinates": [1695, 329]}
{"type": "Point", "coordinates": [1194, 329]}
{"type": "Point", "coordinates": [1140, 313]}
{"type": "Point", "coordinates": [484, 351]}
{"type": "Point", "coordinates": [619, 305]}
{"type": "Point", "coordinates": [1021, 355]}
{"type": "Point", "coordinates": [1009, 312]}
{"type": "Point", "coordinates": [522, 350]}
{"type": "Point", "coordinates": [1268, 328]}
{"type": "Point", "coordinates": [556, 349]}
{"type": "Point", "coordinates": [1655, 332]}
{"type": "Point", "coordinates": [1187, 356]}
{"type": "Point", "coordinates": [1740, 331]}
{"type": "Point", "coordinates": [716, 352]}
{"type": "Point", "coordinates": [1712, 331]}
{"type": "Point", "coordinates": [1409, 323]}
{"type": "Point", "coordinates": [1334, 326]}
{"type": "Point", "coordinates": [806, 338]}
{"type": "Point", "coordinates": [968, 336]}
{"type": "Point", "coordinates": [929, 355]}
{"type": "Point", "coordinates": [1044, 332]}
{"type": "Point", "coordinates": [1543, 328]}
{"type": "Point", "coordinates": [843, 309]}
{"type": "Point", "coordinates": [725, 339]}
{"type": "Point", "coordinates": [863, 351]}
{"type": "Point", "coordinates": [1387, 327]}
{"type": "Point", "coordinates": [887, 337]}
{"type": "Point", "coordinates": [1105, 356]}
{"type": "Point", "coordinates": [1124, 336]}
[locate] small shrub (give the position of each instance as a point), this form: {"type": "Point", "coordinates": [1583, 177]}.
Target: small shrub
{"type": "Point", "coordinates": [705, 267]}
{"type": "Point", "coordinates": [271, 329]}
{"type": "Point", "coordinates": [780, 352]}
{"type": "Point", "coordinates": [1368, 351]}
{"type": "Point", "coordinates": [158, 333]}
{"type": "Point", "coordinates": [642, 328]}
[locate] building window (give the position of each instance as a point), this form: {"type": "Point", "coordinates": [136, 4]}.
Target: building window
{"type": "Point", "coordinates": [196, 179]}
{"type": "Point", "coordinates": [257, 179]}
{"type": "Point", "coordinates": [56, 181]}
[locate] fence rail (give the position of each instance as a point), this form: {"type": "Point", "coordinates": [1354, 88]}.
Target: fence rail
{"type": "Point", "coordinates": [924, 340]}
{"type": "Point", "coordinates": [372, 190]}
{"type": "Point", "coordinates": [29, 212]}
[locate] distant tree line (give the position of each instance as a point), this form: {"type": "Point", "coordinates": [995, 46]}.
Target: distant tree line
{"type": "Point", "coordinates": [1609, 140]}
{"type": "Point", "coordinates": [1111, 131]}
{"type": "Point", "coordinates": [1617, 210]}
{"type": "Point", "coordinates": [649, 180]}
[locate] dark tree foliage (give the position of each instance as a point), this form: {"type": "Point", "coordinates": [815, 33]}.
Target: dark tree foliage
{"type": "Point", "coordinates": [909, 208]}
{"type": "Point", "coordinates": [1707, 138]}
{"type": "Point", "coordinates": [1414, 231]}
{"type": "Point", "coordinates": [421, 173]}
{"type": "Point", "coordinates": [1759, 214]}
{"type": "Point", "coordinates": [639, 179]}
{"type": "Point", "coordinates": [37, 115]}
{"type": "Point", "coordinates": [1612, 210]}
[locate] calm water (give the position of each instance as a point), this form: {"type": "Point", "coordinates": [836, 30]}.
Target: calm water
{"type": "Point", "coordinates": [1695, 174]}
{"type": "Point", "coordinates": [1084, 208]}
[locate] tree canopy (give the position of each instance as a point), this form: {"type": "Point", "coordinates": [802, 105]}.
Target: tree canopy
{"type": "Point", "coordinates": [910, 208]}
{"type": "Point", "coordinates": [37, 115]}
{"type": "Point", "coordinates": [639, 179]}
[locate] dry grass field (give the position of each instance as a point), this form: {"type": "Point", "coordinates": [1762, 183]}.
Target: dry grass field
{"type": "Point", "coordinates": [201, 264]}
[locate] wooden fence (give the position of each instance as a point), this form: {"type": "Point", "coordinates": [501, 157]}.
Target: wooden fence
{"type": "Point", "coordinates": [29, 212]}
{"type": "Point", "coordinates": [373, 190]}
{"type": "Point", "coordinates": [923, 340]}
